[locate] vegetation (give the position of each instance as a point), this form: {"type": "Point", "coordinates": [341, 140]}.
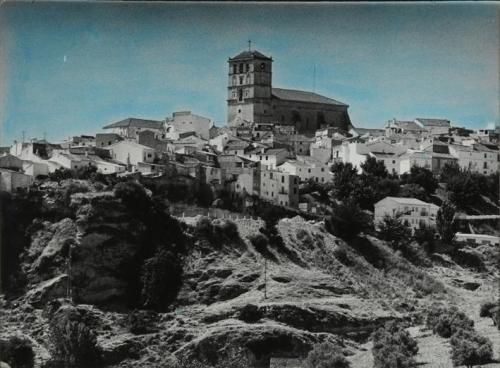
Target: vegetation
{"type": "Point", "coordinates": [17, 351]}
{"type": "Point", "coordinates": [347, 220]}
{"type": "Point", "coordinates": [161, 279]}
{"type": "Point", "coordinates": [425, 236]}
{"type": "Point", "coordinates": [445, 222]}
{"type": "Point", "coordinates": [447, 321]}
{"type": "Point", "coordinates": [326, 355]}
{"type": "Point", "coordinates": [393, 347]}
{"type": "Point", "coordinates": [487, 308]}
{"type": "Point", "coordinates": [422, 177]}
{"type": "Point", "coordinates": [73, 339]}
{"type": "Point", "coordinates": [394, 231]}
{"type": "Point", "coordinates": [469, 348]}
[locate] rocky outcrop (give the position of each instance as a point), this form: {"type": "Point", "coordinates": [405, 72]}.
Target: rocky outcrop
{"type": "Point", "coordinates": [48, 290]}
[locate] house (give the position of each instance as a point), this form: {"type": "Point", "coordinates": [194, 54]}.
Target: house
{"type": "Point", "coordinates": [35, 169]}
{"type": "Point", "coordinates": [414, 158]}
{"type": "Point", "coordinates": [307, 168]}
{"type": "Point", "coordinates": [301, 144]}
{"type": "Point", "coordinates": [236, 146]}
{"type": "Point", "coordinates": [130, 127]}
{"type": "Point", "coordinates": [434, 126]}
{"type": "Point", "coordinates": [248, 182]}
{"type": "Point", "coordinates": [366, 132]}
{"type": "Point", "coordinates": [219, 141]}
{"type": "Point", "coordinates": [131, 153]}
{"type": "Point", "coordinates": [69, 160]}
{"type": "Point", "coordinates": [439, 153]}
{"type": "Point", "coordinates": [11, 162]}
{"type": "Point", "coordinates": [475, 158]}
{"type": "Point", "coordinates": [36, 151]}
{"type": "Point", "coordinates": [279, 187]}
{"type": "Point", "coordinates": [413, 212]}
{"type": "Point", "coordinates": [477, 239]}
{"type": "Point", "coordinates": [82, 140]}
{"type": "Point", "coordinates": [235, 165]}
{"type": "Point", "coordinates": [11, 180]}
{"type": "Point", "coordinates": [107, 139]}
{"type": "Point", "coordinates": [107, 166]}
{"type": "Point", "coordinates": [268, 157]}
{"type": "Point", "coordinates": [404, 127]}
{"type": "Point", "coordinates": [486, 135]}
{"type": "Point", "coordinates": [389, 159]}
{"type": "Point", "coordinates": [189, 139]}
{"type": "Point", "coordinates": [186, 121]}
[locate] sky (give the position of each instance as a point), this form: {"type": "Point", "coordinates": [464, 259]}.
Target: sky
{"type": "Point", "coordinates": [69, 68]}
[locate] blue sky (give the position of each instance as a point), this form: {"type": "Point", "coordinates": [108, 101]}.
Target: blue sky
{"type": "Point", "coordinates": [71, 68]}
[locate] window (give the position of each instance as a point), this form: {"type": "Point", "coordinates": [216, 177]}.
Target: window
{"type": "Point", "coordinates": [149, 155]}
{"type": "Point", "coordinates": [234, 81]}
{"type": "Point", "coordinates": [393, 161]}
{"type": "Point", "coordinates": [261, 160]}
{"type": "Point", "coordinates": [282, 179]}
{"type": "Point", "coordinates": [240, 95]}
{"type": "Point", "coordinates": [263, 66]}
{"type": "Point", "coordinates": [322, 169]}
{"type": "Point", "coordinates": [294, 190]}
{"type": "Point", "coordinates": [235, 69]}
{"type": "Point", "coordinates": [270, 175]}
{"type": "Point", "coordinates": [309, 171]}
{"type": "Point", "coordinates": [485, 165]}
{"type": "Point", "coordinates": [239, 111]}
{"type": "Point", "coordinates": [248, 67]}
{"type": "Point", "coordinates": [241, 80]}
{"type": "Point", "coordinates": [241, 68]}
{"type": "Point", "coordinates": [267, 158]}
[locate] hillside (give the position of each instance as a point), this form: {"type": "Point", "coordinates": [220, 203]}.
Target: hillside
{"type": "Point", "coordinates": [233, 298]}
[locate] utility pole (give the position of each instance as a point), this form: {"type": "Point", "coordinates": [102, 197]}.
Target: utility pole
{"type": "Point", "coordinates": [265, 278]}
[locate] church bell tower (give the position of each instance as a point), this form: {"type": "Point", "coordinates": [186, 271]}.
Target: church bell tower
{"type": "Point", "coordinates": [249, 88]}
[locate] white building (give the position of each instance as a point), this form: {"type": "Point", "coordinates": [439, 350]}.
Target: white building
{"type": "Point", "coordinates": [476, 158]}
{"type": "Point", "coordinates": [131, 153]}
{"type": "Point", "coordinates": [413, 212]}
{"type": "Point", "coordinates": [269, 158]}
{"type": "Point", "coordinates": [70, 161]}
{"type": "Point", "coordinates": [434, 126]}
{"type": "Point", "coordinates": [130, 127]}
{"type": "Point", "coordinates": [185, 121]}
{"type": "Point", "coordinates": [307, 168]}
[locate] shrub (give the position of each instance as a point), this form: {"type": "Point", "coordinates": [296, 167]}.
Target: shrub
{"type": "Point", "coordinates": [344, 179]}
{"type": "Point", "coordinates": [469, 258]}
{"type": "Point", "coordinates": [160, 279]}
{"type": "Point", "coordinates": [347, 220]}
{"type": "Point", "coordinates": [17, 351]}
{"type": "Point", "coordinates": [61, 174]}
{"type": "Point", "coordinates": [326, 355]}
{"type": "Point", "coordinates": [74, 341]}
{"type": "Point", "coordinates": [142, 322]}
{"type": "Point", "coordinates": [259, 241]}
{"type": "Point", "coordinates": [250, 313]}
{"type": "Point", "coordinates": [445, 322]}
{"type": "Point", "coordinates": [469, 348]}
{"type": "Point", "coordinates": [72, 189]}
{"type": "Point", "coordinates": [425, 236]}
{"type": "Point", "coordinates": [393, 347]}
{"type": "Point", "coordinates": [133, 196]}
{"type": "Point", "coordinates": [422, 177]}
{"type": "Point", "coordinates": [230, 230]}
{"type": "Point", "coordinates": [486, 308]}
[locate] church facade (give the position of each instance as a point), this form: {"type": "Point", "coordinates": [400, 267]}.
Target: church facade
{"type": "Point", "coordinates": [252, 99]}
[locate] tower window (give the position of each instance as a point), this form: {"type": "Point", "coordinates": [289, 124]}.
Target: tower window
{"type": "Point", "coordinates": [241, 80]}
{"type": "Point", "coordinates": [241, 68]}
{"type": "Point", "coordinates": [248, 67]}
{"type": "Point", "coordinates": [263, 66]}
{"type": "Point", "coordinates": [240, 95]}
{"type": "Point", "coordinates": [235, 68]}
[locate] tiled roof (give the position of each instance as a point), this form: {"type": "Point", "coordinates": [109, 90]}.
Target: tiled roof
{"type": "Point", "coordinates": [275, 151]}
{"type": "Point", "coordinates": [134, 122]}
{"type": "Point", "coordinates": [483, 148]}
{"type": "Point", "coordinates": [250, 55]}
{"type": "Point", "coordinates": [408, 125]}
{"type": "Point", "coordinates": [303, 96]}
{"type": "Point", "coordinates": [433, 122]}
{"type": "Point", "coordinates": [409, 201]}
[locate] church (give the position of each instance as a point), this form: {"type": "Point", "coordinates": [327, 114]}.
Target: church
{"type": "Point", "coordinates": [252, 99]}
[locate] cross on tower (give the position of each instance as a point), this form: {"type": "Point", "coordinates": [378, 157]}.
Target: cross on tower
{"type": "Point", "coordinates": [249, 45]}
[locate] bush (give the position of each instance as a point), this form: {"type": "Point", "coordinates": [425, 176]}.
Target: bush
{"type": "Point", "coordinates": [142, 322]}
{"type": "Point", "coordinates": [259, 241]}
{"type": "Point", "coordinates": [250, 313]}
{"type": "Point", "coordinates": [133, 196]}
{"type": "Point", "coordinates": [422, 177]}
{"type": "Point", "coordinates": [469, 348]}
{"type": "Point", "coordinates": [17, 352]}
{"type": "Point", "coordinates": [230, 230]}
{"type": "Point", "coordinates": [160, 279]}
{"type": "Point", "coordinates": [393, 347]}
{"type": "Point", "coordinates": [347, 220]}
{"type": "Point", "coordinates": [61, 174]}
{"type": "Point", "coordinates": [326, 355]}
{"type": "Point", "coordinates": [486, 309]}
{"type": "Point", "coordinates": [445, 322]}
{"type": "Point", "coordinates": [74, 341]}
{"type": "Point", "coordinates": [425, 236]}
{"type": "Point", "coordinates": [72, 189]}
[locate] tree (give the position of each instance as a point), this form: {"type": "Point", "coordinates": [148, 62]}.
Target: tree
{"type": "Point", "coordinates": [413, 191]}
{"type": "Point", "coordinates": [326, 355]}
{"type": "Point", "coordinates": [347, 220]}
{"type": "Point", "coordinates": [421, 176]}
{"type": "Point", "coordinates": [393, 230]}
{"type": "Point", "coordinates": [161, 279]}
{"type": "Point", "coordinates": [133, 196]}
{"type": "Point", "coordinates": [374, 167]}
{"type": "Point", "coordinates": [445, 222]}
{"type": "Point", "coordinates": [449, 170]}
{"type": "Point", "coordinates": [462, 189]}
{"type": "Point", "coordinates": [469, 348]}
{"type": "Point", "coordinates": [345, 178]}
{"type": "Point", "coordinates": [425, 236]}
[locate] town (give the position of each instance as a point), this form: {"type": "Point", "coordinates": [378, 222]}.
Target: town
{"type": "Point", "coordinates": [275, 142]}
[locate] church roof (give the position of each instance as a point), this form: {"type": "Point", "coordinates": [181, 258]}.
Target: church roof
{"type": "Point", "coordinates": [433, 122]}
{"type": "Point", "coordinates": [303, 96]}
{"type": "Point", "coordinates": [254, 54]}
